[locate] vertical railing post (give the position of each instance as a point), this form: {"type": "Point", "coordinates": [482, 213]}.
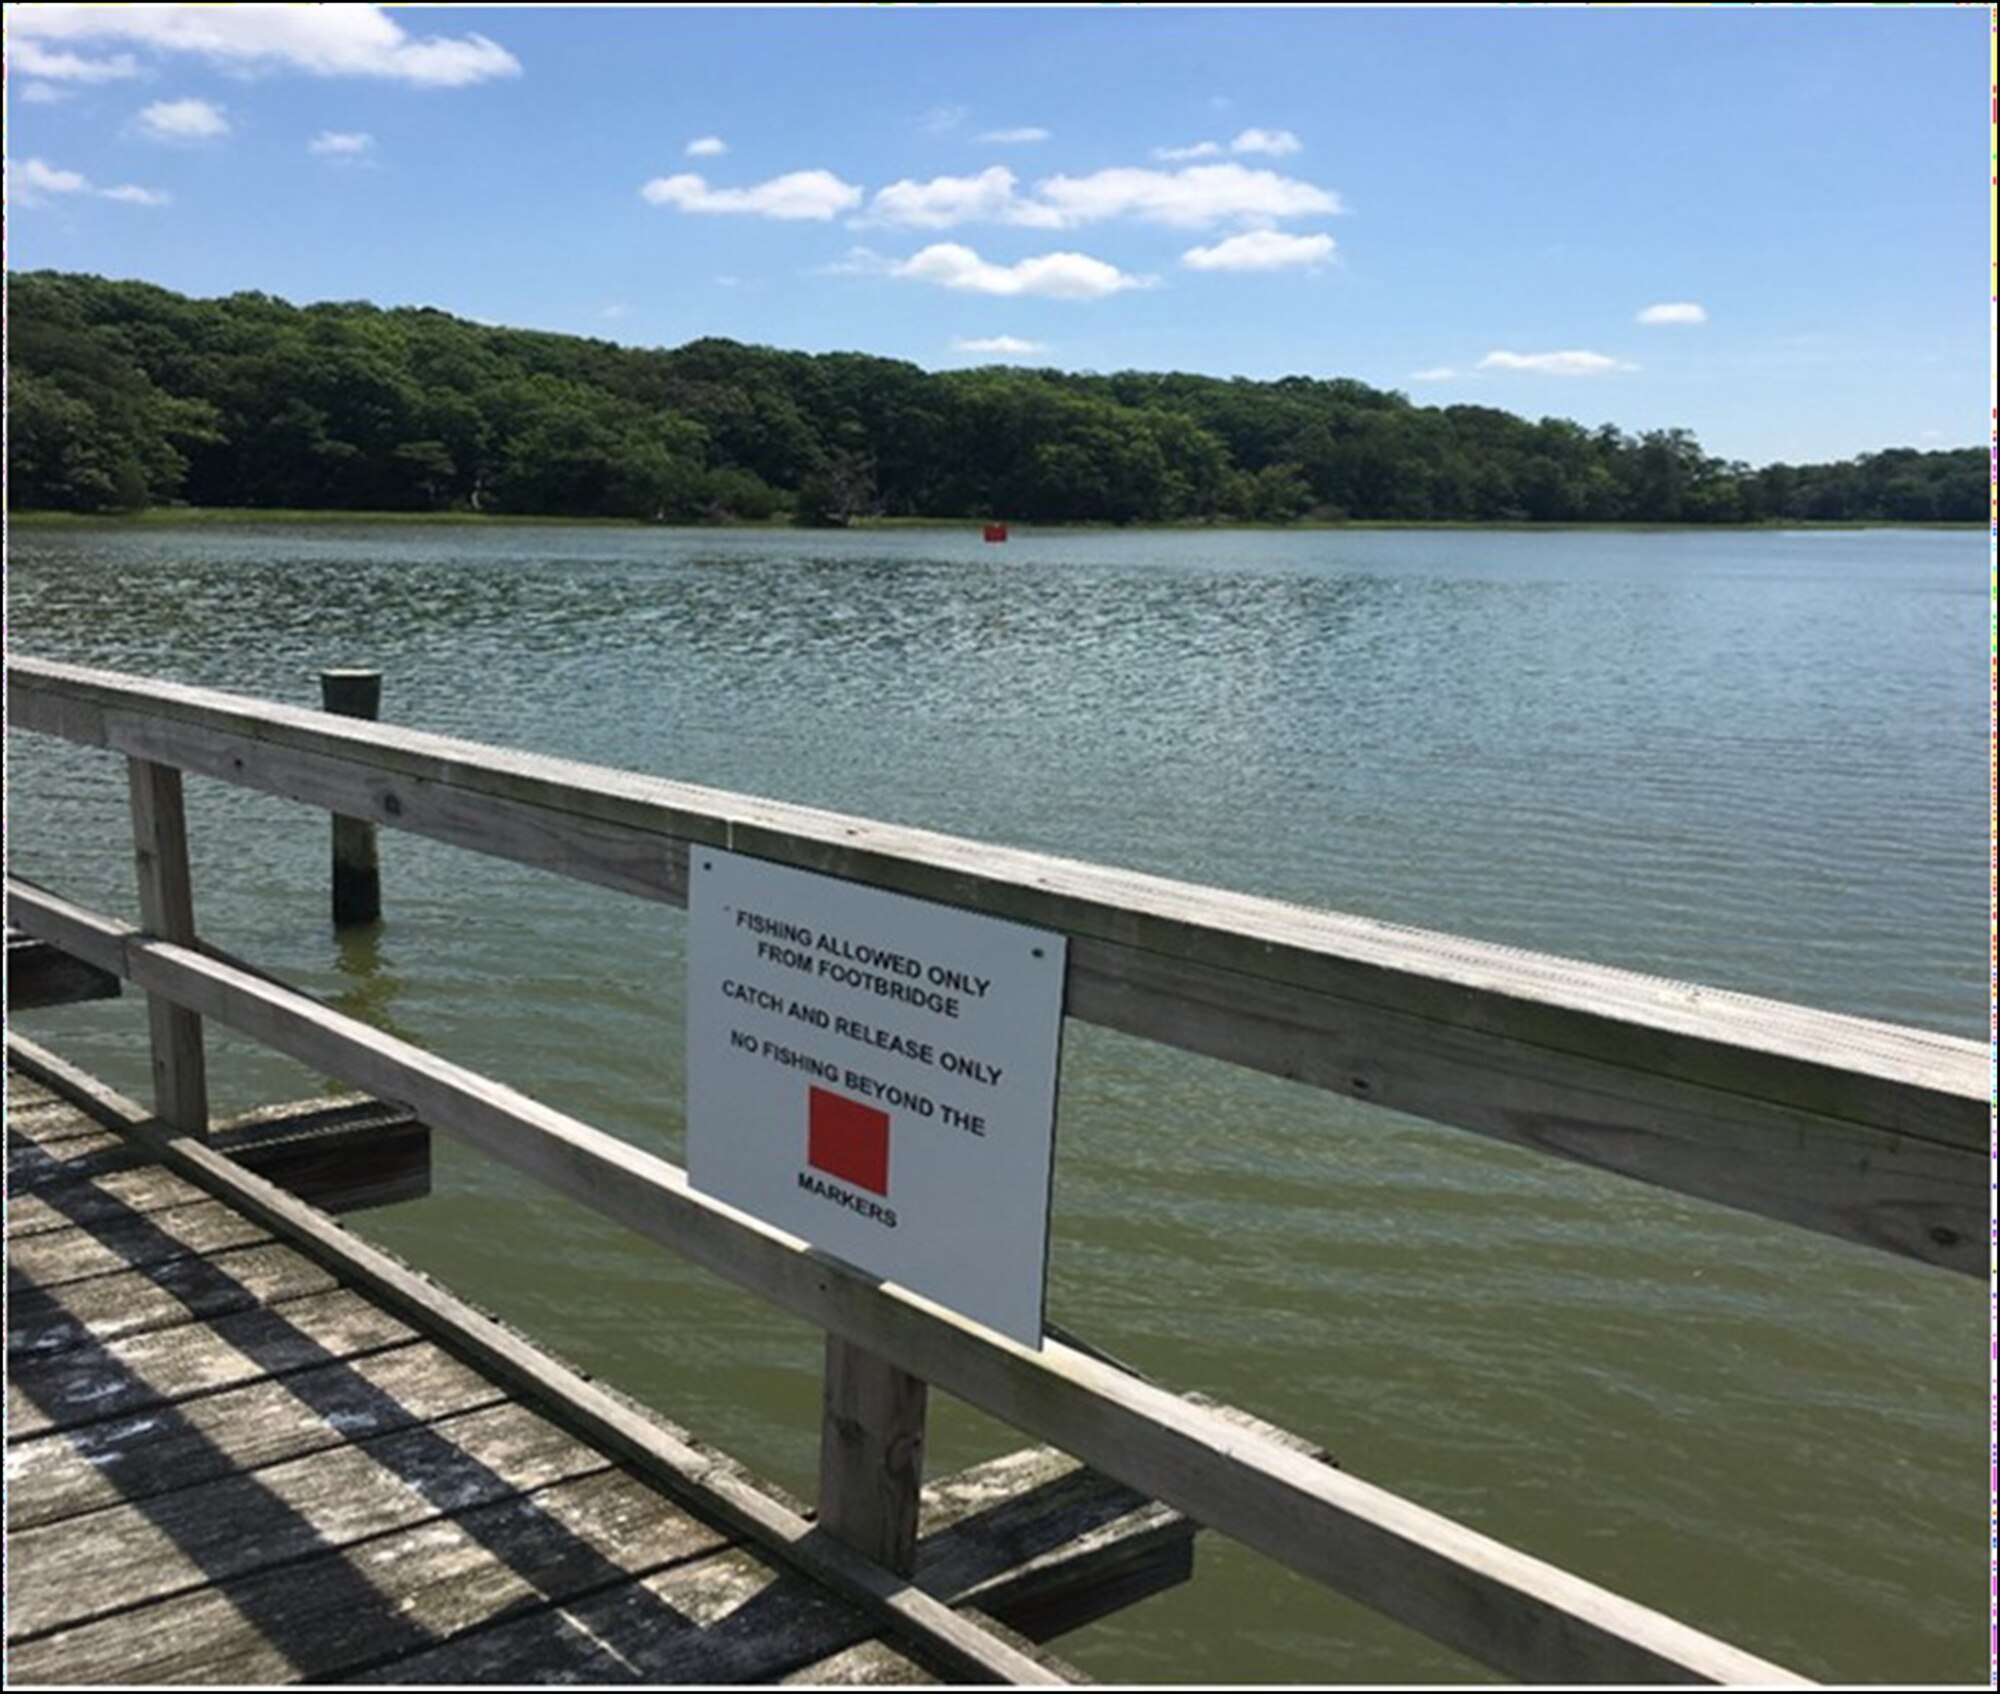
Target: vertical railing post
{"type": "Point", "coordinates": [166, 910]}
{"type": "Point", "coordinates": [871, 1454]}
{"type": "Point", "coordinates": [357, 873]}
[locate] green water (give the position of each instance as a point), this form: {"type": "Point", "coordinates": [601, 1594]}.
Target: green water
{"type": "Point", "coordinates": [1756, 760]}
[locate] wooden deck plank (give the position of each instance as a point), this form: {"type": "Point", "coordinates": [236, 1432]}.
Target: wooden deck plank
{"type": "Point", "coordinates": [133, 1242]}
{"type": "Point", "coordinates": [32, 1167]}
{"type": "Point", "coordinates": [333, 1616]}
{"type": "Point", "coordinates": [728, 1618]}
{"type": "Point", "coordinates": [159, 1449]}
{"type": "Point", "coordinates": [116, 1195]}
{"type": "Point", "coordinates": [24, 1091]}
{"type": "Point", "coordinates": [159, 1367]}
{"type": "Point", "coordinates": [48, 1122]}
{"type": "Point", "coordinates": [873, 1664]}
{"type": "Point", "coordinates": [100, 1309]}
{"type": "Point", "coordinates": [66, 1573]}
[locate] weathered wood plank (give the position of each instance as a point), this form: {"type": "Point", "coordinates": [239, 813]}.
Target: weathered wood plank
{"type": "Point", "coordinates": [1897, 1190]}
{"type": "Point", "coordinates": [45, 1119]}
{"type": "Point", "coordinates": [873, 1664]}
{"type": "Point", "coordinates": [49, 1124]}
{"type": "Point", "coordinates": [63, 1574]}
{"type": "Point", "coordinates": [161, 1448]}
{"type": "Point", "coordinates": [608, 852]}
{"type": "Point", "coordinates": [1045, 1545]}
{"type": "Point", "coordinates": [165, 1366]}
{"type": "Point", "coordinates": [1459, 1587]}
{"type": "Point", "coordinates": [39, 975]}
{"type": "Point", "coordinates": [25, 1091]}
{"type": "Point", "coordinates": [563, 815]}
{"type": "Point", "coordinates": [112, 1197]}
{"type": "Point", "coordinates": [166, 909]}
{"type": "Point", "coordinates": [332, 1616]}
{"type": "Point", "coordinates": [341, 1156]}
{"type": "Point", "coordinates": [871, 1455]}
{"type": "Point", "coordinates": [727, 1618]}
{"type": "Point", "coordinates": [32, 1168]}
{"type": "Point", "coordinates": [131, 1242]}
{"type": "Point", "coordinates": [42, 1322]}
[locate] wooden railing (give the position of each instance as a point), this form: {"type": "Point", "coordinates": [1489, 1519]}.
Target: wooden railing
{"type": "Point", "coordinates": [1862, 1130]}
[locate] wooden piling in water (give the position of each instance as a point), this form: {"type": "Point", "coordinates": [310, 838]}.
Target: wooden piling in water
{"type": "Point", "coordinates": [357, 872]}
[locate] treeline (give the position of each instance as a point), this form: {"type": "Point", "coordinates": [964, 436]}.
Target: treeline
{"type": "Point", "coordinates": [122, 395]}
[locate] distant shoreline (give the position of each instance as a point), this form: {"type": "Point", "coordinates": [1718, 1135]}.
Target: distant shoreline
{"type": "Point", "coordinates": [225, 516]}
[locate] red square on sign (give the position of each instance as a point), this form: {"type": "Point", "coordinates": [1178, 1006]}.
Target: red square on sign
{"type": "Point", "coordinates": [848, 1140]}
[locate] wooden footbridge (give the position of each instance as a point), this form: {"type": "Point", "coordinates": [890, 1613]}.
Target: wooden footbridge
{"type": "Point", "coordinates": [245, 1446]}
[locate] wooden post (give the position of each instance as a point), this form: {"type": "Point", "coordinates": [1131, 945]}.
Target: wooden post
{"type": "Point", "coordinates": [357, 874]}
{"type": "Point", "coordinates": [871, 1455]}
{"type": "Point", "coordinates": [166, 909]}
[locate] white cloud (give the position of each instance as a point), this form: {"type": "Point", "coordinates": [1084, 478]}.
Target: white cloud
{"type": "Point", "coordinates": [942, 120]}
{"type": "Point", "coordinates": [944, 201]}
{"type": "Point", "coordinates": [36, 177]}
{"type": "Point", "coordinates": [1436, 373]}
{"type": "Point", "coordinates": [322, 40]}
{"type": "Point", "coordinates": [1015, 137]}
{"type": "Point", "coordinates": [1260, 250]}
{"type": "Point", "coordinates": [1194, 198]}
{"type": "Point", "coordinates": [1575, 363]}
{"type": "Point", "coordinates": [706, 147]}
{"type": "Point", "coordinates": [857, 261]}
{"type": "Point", "coordinates": [1006, 346]}
{"type": "Point", "coordinates": [1198, 197]}
{"type": "Point", "coordinates": [1673, 312]}
{"type": "Point", "coordinates": [817, 195]}
{"type": "Point", "coordinates": [34, 180]}
{"type": "Point", "coordinates": [617, 309]}
{"type": "Point", "coordinates": [183, 120]}
{"type": "Point", "coordinates": [42, 93]}
{"type": "Point", "coordinates": [1058, 276]}
{"type": "Point", "coordinates": [1276, 142]}
{"type": "Point", "coordinates": [341, 144]}
{"type": "Point", "coordinates": [29, 58]}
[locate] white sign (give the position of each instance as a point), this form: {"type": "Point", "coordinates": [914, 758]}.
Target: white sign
{"type": "Point", "coordinates": [877, 1075]}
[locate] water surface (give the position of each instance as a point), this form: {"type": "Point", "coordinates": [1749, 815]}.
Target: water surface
{"type": "Point", "coordinates": [1754, 760]}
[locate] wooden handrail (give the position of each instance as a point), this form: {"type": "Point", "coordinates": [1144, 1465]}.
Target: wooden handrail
{"type": "Point", "coordinates": [1489, 1601]}
{"type": "Point", "coordinates": [1867, 1131]}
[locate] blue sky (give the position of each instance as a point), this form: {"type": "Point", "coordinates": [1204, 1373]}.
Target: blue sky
{"type": "Point", "coordinates": [1769, 225]}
